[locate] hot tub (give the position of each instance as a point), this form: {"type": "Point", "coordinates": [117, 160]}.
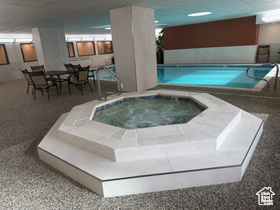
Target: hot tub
{"type": "Point", "coordinates": [148, 111]}
{"type": "Point", "coordinates": [213, 147]}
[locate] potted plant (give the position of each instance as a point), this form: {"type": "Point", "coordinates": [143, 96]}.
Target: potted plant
{"type": "Point", "coordinates": [160, 46]}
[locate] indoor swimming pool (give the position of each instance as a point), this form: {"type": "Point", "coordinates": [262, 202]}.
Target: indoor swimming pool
{"type": "Point", "coordinates": [233, 76]}
{"type": "Point", "coordinates": [211, 75]}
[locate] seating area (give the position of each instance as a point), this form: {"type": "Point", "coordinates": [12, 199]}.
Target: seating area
{"type": "Point", "coordinates": [41, 79]}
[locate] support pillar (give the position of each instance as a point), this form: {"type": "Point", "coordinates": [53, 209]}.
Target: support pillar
{"type": "Point", "coordinates": [133, 35]}
{"type": "Point", "coordinates": [50, 47]}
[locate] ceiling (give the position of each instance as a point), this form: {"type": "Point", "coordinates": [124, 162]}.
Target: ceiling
{"type": "Point", "coordinates": [92, 16]}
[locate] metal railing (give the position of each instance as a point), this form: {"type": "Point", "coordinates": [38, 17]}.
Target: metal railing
{"type": "Point", "coordinates": [98, 84]}
{"type": "Point", "coordinates": [268, 84]}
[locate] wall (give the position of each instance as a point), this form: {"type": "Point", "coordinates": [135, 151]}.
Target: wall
{"type": "Point", "coordinates": [270, 35]}
{"type": "Point", "coordinates": [226, 41]}
{"type": "Point", "coordinates": [93, 60]}
{"type": "Point", "coordinates": [237, 54]}
{"type": "Point", "coordinates": [11, 71]}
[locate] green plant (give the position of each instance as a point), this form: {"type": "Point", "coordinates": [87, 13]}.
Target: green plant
{"type": "Point", "coordinates": [159, 42]}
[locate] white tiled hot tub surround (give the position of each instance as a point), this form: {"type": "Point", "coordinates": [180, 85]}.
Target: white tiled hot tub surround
{"type": "Point", "coordinates": [214, 147]}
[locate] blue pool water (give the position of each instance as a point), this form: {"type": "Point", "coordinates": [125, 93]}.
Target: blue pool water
{"type": "Point", "coordinates": [209, 75]}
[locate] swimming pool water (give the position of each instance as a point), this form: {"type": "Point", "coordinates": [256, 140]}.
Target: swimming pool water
{"type": "Point", "coordinates": [226, 76]}
{"type": "Point", "coordinates": [208, 75]}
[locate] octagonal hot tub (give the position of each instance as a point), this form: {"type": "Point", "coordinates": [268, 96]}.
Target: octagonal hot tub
{"type": "Point", "coordinates": [148, 111]}
{"type": "Point", "coordinates": [111, 160]}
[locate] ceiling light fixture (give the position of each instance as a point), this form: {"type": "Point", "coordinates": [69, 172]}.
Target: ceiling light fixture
{"type": "Point", "coordinates": [108, 28]}
{"type": "Point", "coordinates": [6, 40]}
{"type": "Point", "coordinates": [87, 39]}
{"type": "Point", "coordinates": [271, 18]}
{"type": "Point", "coordinates": [199, 14]}
{"type": "Point", "coordinates": [73, 39]}
{"type": "Point", "coordinates": [25, 40]}
{"type": "Point", "coordinates": [156, 21]}
{"type": "Point", "coordinates": [100, 38]}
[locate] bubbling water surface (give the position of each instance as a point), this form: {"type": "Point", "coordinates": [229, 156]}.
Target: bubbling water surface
{"type": "Point", "coordinates": [144, 113]}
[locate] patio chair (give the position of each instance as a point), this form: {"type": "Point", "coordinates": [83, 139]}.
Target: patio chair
{"type": "Point", "coordinates": [82, 79]}
{"type": "Point", "coordinates": [28, 79]}
{"type": "Point", "coordinates": [40, 68]}
{"type": "Point", "coordinates": [40, 83]}
{"type": "Point", "coordinates": [76, 67]}
{"type": "Point", "coordinates": [263, 54]}
{"type": "Point", "coordinates": [92, 76]}
{"type": "Point", "coordinates": [69, 67]}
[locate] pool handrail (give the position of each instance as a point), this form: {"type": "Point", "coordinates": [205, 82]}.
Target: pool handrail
{"type": "Point", "coordinates": [268, 84]}
{"type": "Point", "coordinates": [98, 84]}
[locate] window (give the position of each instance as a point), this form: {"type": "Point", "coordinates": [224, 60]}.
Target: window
{"type": "Point", "coordinates": [28, 52]}
{"type": "Point", "coordinates": [85, 48]}
{"type": "Point", "coordinates": [3, 55]}
{"type": "Point", "coordinates": [105, 47]}
{"type": "Point", "coordinates": [70, 49]}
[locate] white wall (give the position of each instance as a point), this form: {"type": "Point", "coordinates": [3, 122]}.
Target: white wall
{"type": "Point", "coordinates": [11, 71]}
{"type": "Point", "coordinates": [237, 54]}
{"type": "Point", "coordinates": [94, 60]}
{"type": "Point", "coordinates": [269, 34]}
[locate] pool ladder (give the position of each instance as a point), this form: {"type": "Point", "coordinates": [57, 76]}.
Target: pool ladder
{"type": "Point", "coordinates": [268, 84]}
{"type": "Point", "coordinates": [98, 84]}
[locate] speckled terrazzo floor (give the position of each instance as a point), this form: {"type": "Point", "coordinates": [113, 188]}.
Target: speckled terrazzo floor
{"type": "Point", "coordinates": [28, 183]}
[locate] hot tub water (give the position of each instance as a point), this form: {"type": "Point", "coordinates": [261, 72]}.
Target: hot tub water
{"type": "Point", "coordinates": [142, 113]}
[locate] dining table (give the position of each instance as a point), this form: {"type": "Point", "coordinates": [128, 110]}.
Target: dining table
{"type": "Point", "coordinates": [56, 76]}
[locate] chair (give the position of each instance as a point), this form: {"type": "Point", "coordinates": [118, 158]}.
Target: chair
{"type": "Point", "coordinates": [38, 68]}
{"type": "Point", "coordinates": [263, 54]}
{"type": "Point", "coordinates": [82, 79]}
{"type": "Point", "coordinates": [28, 79]}
{"type": "Point", "coordinates": [93, 77]}
{"type": "Point", "coordinates": [76, 67]}
{"type": "Point", "coordinates": [40, 82]}
{"type": "Point", "coordinates": [69, 67]}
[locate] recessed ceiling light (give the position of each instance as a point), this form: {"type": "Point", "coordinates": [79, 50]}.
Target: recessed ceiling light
{"type": "Point", "coordinates": [108, 28]}
{"type": "Point", "coordinates": [199, 14]}
{"type": "Point", "coordinates": [156, 21]}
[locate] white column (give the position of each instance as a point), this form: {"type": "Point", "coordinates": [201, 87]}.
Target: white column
{"type": "Point", "coordinates": [50, 47]}
{"type": "Point", "coordinates": [133, 35]}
